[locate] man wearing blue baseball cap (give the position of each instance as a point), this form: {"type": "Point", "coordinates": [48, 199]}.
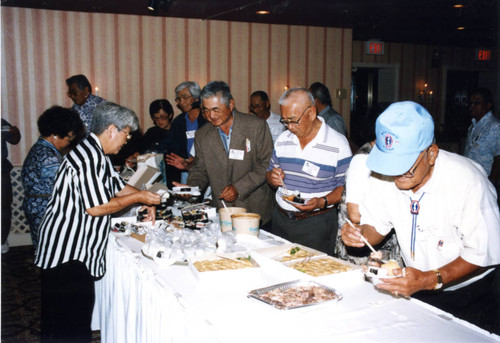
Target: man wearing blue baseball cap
{"type": "Point", "coordinates": [445, 214]}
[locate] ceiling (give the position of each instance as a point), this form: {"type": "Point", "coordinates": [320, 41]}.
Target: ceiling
{"type": "Point", "coordinates": [432, 22]}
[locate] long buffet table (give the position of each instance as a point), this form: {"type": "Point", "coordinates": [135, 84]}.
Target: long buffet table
{"type": "Point", "coordinates": [139, 301]}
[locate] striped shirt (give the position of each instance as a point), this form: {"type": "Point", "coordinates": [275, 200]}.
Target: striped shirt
{"type": "Point", "coordinates": [317, 169]}
{"type": "Point", "coordinates": [86, 179]}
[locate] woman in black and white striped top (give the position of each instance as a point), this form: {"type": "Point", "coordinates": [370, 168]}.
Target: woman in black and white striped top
{"type": "Point", "coordinates": [75, 228]}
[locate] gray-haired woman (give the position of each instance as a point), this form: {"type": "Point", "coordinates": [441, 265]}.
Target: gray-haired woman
{"type": "Point", "coordinates": [74, 231]}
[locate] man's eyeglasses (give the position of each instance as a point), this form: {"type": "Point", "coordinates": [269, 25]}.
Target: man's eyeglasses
{"type": "Point", "coordinates": [180, 98]}
{"type": "Point", "coordinates": [294, 122]}
{"type": "Point", "coordinates": [411, 173]}
{"type": "Point", "coordinates": [206, 111]}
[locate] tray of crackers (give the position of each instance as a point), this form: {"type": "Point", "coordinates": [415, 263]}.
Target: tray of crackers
{"type": "Point", "coordinates": [321, 265]}
{"type": "Point", "coordinates": [219, 266]}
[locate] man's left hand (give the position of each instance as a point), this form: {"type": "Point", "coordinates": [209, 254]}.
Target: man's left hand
{"type": "Point", "coordinates": [229, 194]}
{"type": "Point", "coordinates": [311, 205]}
{"type": "Point", "coordinates": [412, 281]}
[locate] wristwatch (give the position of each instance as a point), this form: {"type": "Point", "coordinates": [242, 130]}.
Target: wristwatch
{"type": "Point", "coordinates": [326, 203]}
{"type": "Point", "coordinates": [439, 278]}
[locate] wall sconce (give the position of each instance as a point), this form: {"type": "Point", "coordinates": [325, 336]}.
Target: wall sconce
{"type": "Point", "coordinates": [426, 96]}
{"type": "Point", "coordinates": [287, 87]}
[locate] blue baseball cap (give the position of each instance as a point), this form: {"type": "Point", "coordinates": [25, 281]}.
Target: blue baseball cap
{"type": "Point", "coordinates": [403, 131]}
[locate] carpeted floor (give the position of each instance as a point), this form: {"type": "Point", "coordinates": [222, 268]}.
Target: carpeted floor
{"type": "Point", "coordinates": [20, 319]}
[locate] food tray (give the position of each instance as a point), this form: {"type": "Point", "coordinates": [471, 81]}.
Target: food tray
{"type": "Point", "coordinates": [281, 253]}
{"type": "Point", "coordinates": [331, 264]}
{"type": "Point", "coordinates": [260, 294]}
{"type": "Point", "coordinates": [225, 275]}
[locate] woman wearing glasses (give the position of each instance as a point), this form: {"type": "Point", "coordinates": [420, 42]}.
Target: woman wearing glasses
{"type": "Point", "coordinates": [74, 231]}
{"type": "Point", "coordinates": [58, 127]}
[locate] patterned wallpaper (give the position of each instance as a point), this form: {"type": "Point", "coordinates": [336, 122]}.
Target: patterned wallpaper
{"type": "Point", "coordinates": [136, 59]}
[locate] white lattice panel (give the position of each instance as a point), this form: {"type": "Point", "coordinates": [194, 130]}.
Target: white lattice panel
{"type": "Point", "coordinates": [19, 229]}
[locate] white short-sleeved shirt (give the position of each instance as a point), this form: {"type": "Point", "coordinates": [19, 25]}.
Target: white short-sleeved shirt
{"type": "Point", "coordinates": [275, 126]}
{"type": "Point", "coordinates": [458, 215]}
{"type": "Point", "coordinates": [357, 179]}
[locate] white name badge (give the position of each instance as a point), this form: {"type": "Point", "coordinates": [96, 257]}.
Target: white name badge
{"type": "Point", "coordinates": [310, 169]}
{"type": "Point", "coordinates": [190, 134]}
{"type": "Point", "coordinates": [236, 154]}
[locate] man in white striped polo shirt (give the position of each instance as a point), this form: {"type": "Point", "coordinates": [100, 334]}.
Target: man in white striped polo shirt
{"type": "Point", "coordinates": [74, 231]}
{"type": "Point", "coordinates": [311, 158]}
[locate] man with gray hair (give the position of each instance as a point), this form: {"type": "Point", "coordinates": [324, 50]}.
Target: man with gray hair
{"type": "Point", "coordinates": [73, 235]}
{"type": "Point", "coordinates": [232, 154]}
{"type": "Point", "coordinates": [309, 159]}
{"type": "Point", "coordinates": [182, 132]}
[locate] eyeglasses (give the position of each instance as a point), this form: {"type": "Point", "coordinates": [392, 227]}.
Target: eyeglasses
{"type": "Point", "coordinates": [184, 97]}
{"type": "Point", "coordinates": [206, 111]}
{"type": "Point", "coordinates": [74, 92]}
{"type": "Point", "coordinates": [411, 173]}
{"type": "Point", "coordinates": [161, 118]}
{"type": "Point", "coordinates": [294, 122]}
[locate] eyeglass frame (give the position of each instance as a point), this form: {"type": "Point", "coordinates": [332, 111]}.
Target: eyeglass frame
{"type": "Point", "coordinates": [294, 122]}
{"type": "Point", "coordinates": [179, 98]}
{"type": "Point", "coordinates": [411, 173]}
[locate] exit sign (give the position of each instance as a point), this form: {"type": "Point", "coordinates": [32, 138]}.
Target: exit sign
{"type": "Point", "coordinates": [374, 48]}
{"type": "Point", "coordinates": [483, 55]}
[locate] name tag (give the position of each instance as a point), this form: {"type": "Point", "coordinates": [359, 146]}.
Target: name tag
{"type": "Point", "coordinates": [310, 168]}
{"type": "Point", "coordinates": [236, 154]}
{"type": "Point", "coordinates": [190, 134]}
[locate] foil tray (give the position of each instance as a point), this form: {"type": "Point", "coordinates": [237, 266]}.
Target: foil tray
{"type": "Point", "coordinates": [259, 294]}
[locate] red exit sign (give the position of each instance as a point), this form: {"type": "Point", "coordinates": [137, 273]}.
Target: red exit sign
{"type": "Point", "coordinates": [374, 48]}
{"type": "Point", "coordinates": [483, 54]}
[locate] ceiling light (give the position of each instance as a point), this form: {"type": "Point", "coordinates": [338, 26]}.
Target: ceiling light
{"type": "Point", "coordinates": [262, 12]}
{"type": "Point", "coordinates": [461, 28]}
{"type": "Point", "coordinates": [152, 5]}
{"type": "Point", "coordinates": [458, 6]}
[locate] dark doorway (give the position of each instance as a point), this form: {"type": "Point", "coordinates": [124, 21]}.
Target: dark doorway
{"type": "Point", "coordinates": [459, 85]}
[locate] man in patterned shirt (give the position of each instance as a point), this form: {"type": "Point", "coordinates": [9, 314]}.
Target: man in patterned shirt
{"type": "Point", "coordinates": [80, 91]}
{"type": "Point", "coordinates": [310, 158]}
{"type": "Point", "coordinates": [483, 136]}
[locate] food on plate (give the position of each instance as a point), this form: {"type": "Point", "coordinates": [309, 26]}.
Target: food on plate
{"type": "Point", "coordinates": [389, 266]}
{"type": "Point", "coordinates": [223, 264]}
{"type": "Point", "coordinates": [377, 255]}
{"type": "Point", "coordinates": [297, 296]}
{"type": "Point", "coordinates": [296, 253]}
{"type": "Point", "coordinates": [294, 198]}
{"type": "Point", "coordinates": [323, 266]}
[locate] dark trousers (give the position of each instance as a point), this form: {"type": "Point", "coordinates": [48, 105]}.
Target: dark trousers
{"type": "Point", "coordinates": [67, 302]}
{"type": "Point", "coordinates": [478, 303]}
{"type": "Point", "coordinates": [318, 232]}
{"type": "Point", "coordinates": [6, 204]}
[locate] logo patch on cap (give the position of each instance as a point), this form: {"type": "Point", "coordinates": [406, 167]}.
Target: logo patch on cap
{"type": "Point", "coordinates": [389, 140]}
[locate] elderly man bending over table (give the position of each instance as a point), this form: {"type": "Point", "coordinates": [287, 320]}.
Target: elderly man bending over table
{"type": "Point", "coordinates": [445, 214]}
{"type": "Point", "coordinates": [75, 228]}
{"type": "Point", "coordinates": [310, 158]}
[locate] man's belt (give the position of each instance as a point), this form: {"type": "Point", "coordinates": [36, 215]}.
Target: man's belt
{"type": "Point", "coordinates": [302, 215]}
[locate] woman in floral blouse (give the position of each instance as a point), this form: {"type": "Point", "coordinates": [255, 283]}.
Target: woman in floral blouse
{"type": "Point", "coordinates": [58, 127]}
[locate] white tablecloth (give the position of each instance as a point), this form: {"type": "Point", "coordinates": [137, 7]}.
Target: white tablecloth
{"type": "Point", "coordinates": [137, 301]}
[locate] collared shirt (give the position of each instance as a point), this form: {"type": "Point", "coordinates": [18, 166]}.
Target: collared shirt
{"type": "Point", "coordinates": [226, 139]}
{"type": "Point", "coordinates": [191, 127]}
{"type": "Point", "coordinates": [86, 111]}
{"type": "Point", "coordinates": [314, 171]}
{"type": "Point", "coordinates": [275, 126]}
{"type": "Point", "coordinates": [483, 141]}
{"type": "Point", "coordinates": [333, 119]}
{"type": "Point", "coordinates": [458, 215]}
{"type": "Point", "coordinates": [86, 179]}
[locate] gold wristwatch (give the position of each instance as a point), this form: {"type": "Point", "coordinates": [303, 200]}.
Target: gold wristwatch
{"type": "Point", "coordinates": [439, 278]}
